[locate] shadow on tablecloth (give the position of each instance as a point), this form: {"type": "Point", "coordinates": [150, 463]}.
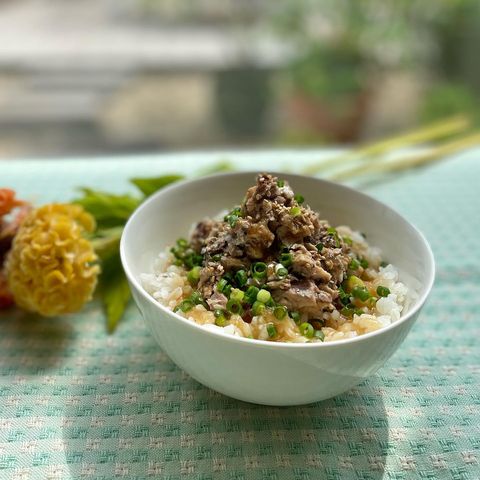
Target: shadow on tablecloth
{"type": "Point", "coordinates": [34, 345]}
{"type": "Point", "coordinates": [146, 418]}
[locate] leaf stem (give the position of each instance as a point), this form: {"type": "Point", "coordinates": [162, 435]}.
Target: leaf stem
{"type": "Point", "coordinates": [368, 152]}
{"type": "Point", "coordinates": [403, 163]}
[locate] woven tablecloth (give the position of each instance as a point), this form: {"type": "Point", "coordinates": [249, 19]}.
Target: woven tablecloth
{"type": "Point", "coordinates": [76, 403]}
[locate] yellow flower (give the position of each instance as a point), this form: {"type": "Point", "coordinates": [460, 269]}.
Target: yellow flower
{"type": "Point", "coordinates": [51, 267]}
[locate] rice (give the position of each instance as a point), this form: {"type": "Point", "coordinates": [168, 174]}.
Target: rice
{"type": "Point", "coordinates": [168, 284]}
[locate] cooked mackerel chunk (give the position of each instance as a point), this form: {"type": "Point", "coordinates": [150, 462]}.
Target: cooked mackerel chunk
{"type": "Point", "coordinates": [263, 200]}
{"type": "Point", "coordinates": [209, 276]}
{"type": "Point", "coordinates": [200, 233]}
{"type": "Point", "coordinates": [308, 263]}
{"type": "Point", "coordinates": [305, 297]}
{"type": "Point", "coordinates": [270, 223]}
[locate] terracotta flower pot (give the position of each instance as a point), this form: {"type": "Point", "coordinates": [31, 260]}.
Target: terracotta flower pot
{"type": "Point", "coordinates": [338, 122]}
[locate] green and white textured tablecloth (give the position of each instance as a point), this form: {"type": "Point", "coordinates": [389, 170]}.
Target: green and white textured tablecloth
{"type": "Point", "coordinates": [76, 403]}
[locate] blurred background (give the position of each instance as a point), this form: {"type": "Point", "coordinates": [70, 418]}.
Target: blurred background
{"type": "Point", "coordinates": [96, 77]}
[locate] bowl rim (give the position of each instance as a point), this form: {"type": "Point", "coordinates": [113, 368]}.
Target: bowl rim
{"type": "Point", "coordinates": [418, 303]}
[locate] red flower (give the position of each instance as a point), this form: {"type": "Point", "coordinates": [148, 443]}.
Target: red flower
{"type": "Point", "coordinates": [8, 201]}
{"type": "Point", "coordinates": [6, 298]}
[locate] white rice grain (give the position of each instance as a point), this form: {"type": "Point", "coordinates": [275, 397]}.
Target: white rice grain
{"type": "Point", "coordinates": [169, 286]}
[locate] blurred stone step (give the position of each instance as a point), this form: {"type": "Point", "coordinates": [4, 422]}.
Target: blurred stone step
{"type": "Point", "coordinates": [58, 94]}
{"type": "Point", "coordinates": [30, 106]}
{"type": "Point", "coordinates": [76, 81]}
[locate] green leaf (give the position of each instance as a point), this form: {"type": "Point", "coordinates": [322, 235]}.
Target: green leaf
{"type": "Point", "coordinates": [115, 295]}
{"type": "Point", "coordinates": [108, 209]}
{"type": "Point", "coordinates": [107, 242]}
{"type": "Point", "coordinates": [113, 287]}
{"type": "Point", "coordinates": [150, 185]}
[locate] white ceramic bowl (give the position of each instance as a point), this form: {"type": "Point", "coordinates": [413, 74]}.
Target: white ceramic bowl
{"type": "Point", "coordinates": [261, 371]}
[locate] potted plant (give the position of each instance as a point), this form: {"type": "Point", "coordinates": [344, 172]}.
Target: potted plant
{"type": "Point", "coordinates": [328, 92]}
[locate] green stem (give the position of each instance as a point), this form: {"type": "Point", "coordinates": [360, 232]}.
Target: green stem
{"type": "Point", "coordinates": [368, 152]}
{"type": "Point", "coordinates": [107, 239]}
{"type": "Point", "coordinates": [433, 155]}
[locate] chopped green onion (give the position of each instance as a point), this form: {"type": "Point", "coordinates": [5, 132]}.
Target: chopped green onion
{"type": "Point", "coordinates": [347, 240]}
{"type": "Point", "coordinates": [295, 211]}
{"type": "Point", "coordinates": [227, 290]}
{"type": "Point", "coordinates": [383, 291]}
{"type": "Point", "coordinates": [299, 198]}
{"type": "Point", "coordinates": [353, 265]}
{"type": "Point", "coordinates": [196, 298]}
{"type": "Point", "coordinates": [333, 232]}
{"type": "Point", "coordinates": [286, 259]}
{"type": "Point", "coordinates": [220, 318]}
{"type": "Point", "coordinates": [241, 278]}
{"type": "Point", "coordinates": [194, 275]}
{"type": "Point", "coordinates": [271, 303]}
{"type": "Point", "coordinates": [319, 334]}
{"type": "Point", "coordinates": [178, 262]}
{"type": "Point", "coordinates": [193, 259]}
{"type": "Point", "coordinates": [358, 311]}
{"type": "Point", "coordinates": [364, 263]}
{"type": "Point", "coordinates": [281, 183]}
{"type": "Point", "coordinates": [282, 272]}
{"type": "Point", "coordinates": [236, 211]}
{"type": "Point", "coordinates": [344, 297]}
{"type": "Point", "coordinates": [295, 316]}
{"type": "Point", "coordinates": [234, 306]}
{"type": "Point", "coordinates": [182, 243]}
{"type": "Point", "coordinates": [258, 308]}
{"type": "Point", "coordinates": [222, 284]}
{"type": "Point", "coordinates": [231, 219]}
{"type": "Point", "coordinates": [306, 329]}
{"type": "Point", "coordinates": [259, 270]}
{"type": "Point", "coordinates": [228, 277]}
{"type": "Point", "coordinates": [352, 282]}
{"type": "Point", "coordinates": [217, 257]}
{"type": "Point", "coordinates": [319, 247]}
{"type": "Point", "coordinates": [361, 293]}
{"type": "Point", "coordinates": [280, 312]}
{"type": "Point", "coordinates": [237, 295]}
{"type": "Point", "coordinates": [345, 300]}
{"type": "Point", "coordinates": [178, 252]}
{"type": "Point", "coordinates": [184, 306]}
{"type": "Point", "coordinates": [263, 296]}
{"type": "Point", "coordinates": [383, 264]}
{"type": "Point", "coordinates": [371, 302]}
{"type": "Point", "coordinates": [347, 312]}
{"type": "Point", "coordinates": [259, 267]}
{"type": "Point", "coordinates": [251, 294]}
{"type": "Point", "coordinates": [271, 330]}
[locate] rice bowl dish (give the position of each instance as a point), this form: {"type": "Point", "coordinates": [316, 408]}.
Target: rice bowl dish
{"type": "Point", "coordinates": [272, 269]}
